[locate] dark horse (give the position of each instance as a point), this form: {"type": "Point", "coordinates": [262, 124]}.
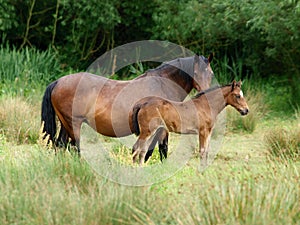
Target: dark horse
{"type": "Point", "coordinates": [105, 104]}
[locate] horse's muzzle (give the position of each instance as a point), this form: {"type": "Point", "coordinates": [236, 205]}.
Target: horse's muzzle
{"type": "Point", "coordinates": [244, 111]}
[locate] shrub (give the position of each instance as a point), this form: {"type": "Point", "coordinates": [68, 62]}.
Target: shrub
{"type": "Point", "coordinates": [19, 120]}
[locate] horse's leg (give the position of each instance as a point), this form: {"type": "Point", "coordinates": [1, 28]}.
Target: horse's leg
{"type": "Point", "coordinates": [204, 139]}
{"type": "Point", "coordinates": [76, 135]}
{"type": "Point", "coordinates": [163, 144]}
{"type": "Point", "coordinates": [136, 149]}
{"type": "Point", "coordinates": [139, 150]}
{"type": "Point", "coordinates": [71, 129]}
{"type": "Point", "coordinates": [161, 137]}
{"type": "Point", "coordinates": [151, 149]}
{"type": "Point", "coordinates": [63, 137]}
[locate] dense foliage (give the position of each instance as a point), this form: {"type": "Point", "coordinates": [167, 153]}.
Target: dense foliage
{"type": "Point", "coordinates": [265, 34]}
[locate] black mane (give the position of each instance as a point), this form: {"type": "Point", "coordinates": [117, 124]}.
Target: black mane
{"type": "Point", "coordinates": [210, 90]}
{"type": "Point", "coordinates": [182, 67]}
{"type": "Point", "coordinates": [186, 65]}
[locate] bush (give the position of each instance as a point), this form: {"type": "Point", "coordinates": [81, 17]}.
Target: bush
{"type": "Point", "coordinates": [284, 143]}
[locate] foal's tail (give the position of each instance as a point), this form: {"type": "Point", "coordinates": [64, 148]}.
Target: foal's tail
{"type": "Point", "coordinates": [48, 113]}
{"type": "Point", "coordinates": [135, 122]}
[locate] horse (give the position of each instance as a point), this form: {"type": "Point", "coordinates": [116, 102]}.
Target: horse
{"type": "Point", "coordinates": [103, 103]}
{"type": "Point", "coordinates": [195, 116]}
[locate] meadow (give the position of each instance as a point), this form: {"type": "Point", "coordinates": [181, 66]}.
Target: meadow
{"type": "Point", "coordinates": [254, 178]}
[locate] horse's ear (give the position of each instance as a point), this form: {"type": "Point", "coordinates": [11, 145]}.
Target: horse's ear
{"type": "Point", "coordinates": [240, 83]}
{"type": "Point", "coordinates": [233, 84]}
{"type": "Point", "coordinates": [210, 57]}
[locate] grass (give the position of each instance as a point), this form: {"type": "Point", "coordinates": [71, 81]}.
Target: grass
{"type": "Point", "coordinates": [258, 108]}
{"type": "Point", "coordinates": [19, 119]}
{"type": "Point", "coordinates": [244, 185]}
{"type": "Point", "coordinates": [25, 72]}
{"type": "Point", "coordinates": [39, 187]}
{"type": "Point", "coordinates": [283, 141]}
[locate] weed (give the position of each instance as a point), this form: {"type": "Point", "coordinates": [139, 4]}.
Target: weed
{"type": "Point", "coordinates": [284, 143]}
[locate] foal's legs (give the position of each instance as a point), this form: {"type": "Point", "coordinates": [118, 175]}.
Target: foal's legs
{"type": "Point", "coordinates": [139, 151]}
{"type": "Point", "coordinates": [161, 137]}
{"type": "Point", "coordinates": [151, 149]}
{"type": "Point", "coordinates": [163, 144]}
{"type": "Point", "coordinates": [204, 139]}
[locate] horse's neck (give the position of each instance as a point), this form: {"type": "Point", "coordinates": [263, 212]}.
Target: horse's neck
{"type": "Point", "coordinates": [214, 101]}
{"type": "Point", "coordinates": [178, 76]}
{"type": "Point", "coordinates": [180, 71]}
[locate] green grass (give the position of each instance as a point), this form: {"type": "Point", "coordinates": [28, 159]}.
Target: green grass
{"type": "Point", "coordinates": [38, 187]}
{"type": "Point", "coordinates": [283, 140]}
{"type": "Point", "coordinates": [257, 107]}
{"type": "Point", "coordinates": [25, 72]}
{"type": "Point", "coordinates": [244, 185]}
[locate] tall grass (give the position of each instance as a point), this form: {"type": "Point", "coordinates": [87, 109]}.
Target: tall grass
{"type": "Point", "coordinates": [23, 76]}
{"type": "Point", "coordinates": [23, 71]}
{"type": "Point", "coordinates": [226, 71]}
{"type": "Point", "coordinates": [19, 119]}
{"type": "Point", "coordinates": [257, 107]}
{"type": "Point", "coordinates": [41, 188]}
{"type": "Point", "coordinates": [283, 143]}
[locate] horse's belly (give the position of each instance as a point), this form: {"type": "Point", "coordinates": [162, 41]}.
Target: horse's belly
{"type": "Point", "coordinates": [109, 126]}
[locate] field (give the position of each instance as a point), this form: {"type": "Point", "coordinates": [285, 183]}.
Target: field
{"type": "Point", "coordinates": [254, 178]}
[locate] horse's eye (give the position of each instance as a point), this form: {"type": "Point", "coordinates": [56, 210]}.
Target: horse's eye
{"type": "Point", "coordinates": [238, 96]}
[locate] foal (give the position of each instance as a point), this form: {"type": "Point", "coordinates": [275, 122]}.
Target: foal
{"type": "Point", "coordinates": [196, 116]}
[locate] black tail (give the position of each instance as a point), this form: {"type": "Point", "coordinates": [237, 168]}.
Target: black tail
{"type": "Point", "coordinates": [48, 113]}
{"type": "Point", "coordinates": [135, 122]}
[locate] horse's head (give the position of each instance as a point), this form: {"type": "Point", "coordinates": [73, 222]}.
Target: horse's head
{"type": "Point", "coordinates": [203, 73]}
{"type": "Point", "coordinates": [236, 98]}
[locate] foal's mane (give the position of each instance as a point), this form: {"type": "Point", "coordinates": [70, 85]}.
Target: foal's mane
{"type": "Point", "coordinates": [210, 90]}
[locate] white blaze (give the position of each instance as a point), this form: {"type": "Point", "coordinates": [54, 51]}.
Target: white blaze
{"type": "Point", "coordinates": [241, 94]}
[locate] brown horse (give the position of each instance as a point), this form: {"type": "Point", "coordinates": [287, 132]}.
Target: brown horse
{"type": "Point", "coordinates": [105, 104]}
{"type": "Point", "coordinates": [196, 116]}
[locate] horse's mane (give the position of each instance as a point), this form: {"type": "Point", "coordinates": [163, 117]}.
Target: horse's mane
{"type": "Point", "coordinates": [185, 64]}
{"type": "Point", "coordinates": [210, 90]}
{"type": "Point", "coordinates": [178, 63]}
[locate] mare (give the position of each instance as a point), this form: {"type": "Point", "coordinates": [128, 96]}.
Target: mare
{"type": "Point", "coordinates": [196, 116]}
{"type": "Point", "coordinates": [105, 104]}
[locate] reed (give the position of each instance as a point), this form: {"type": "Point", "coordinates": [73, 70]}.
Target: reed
{"type": "Point", "coordinates": [24, 72]}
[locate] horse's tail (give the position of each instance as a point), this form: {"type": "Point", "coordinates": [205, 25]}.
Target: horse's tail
{"type": "Point", "coordinates": [135, 122]}
{"type": "Point", "coordinates": [48, 113]}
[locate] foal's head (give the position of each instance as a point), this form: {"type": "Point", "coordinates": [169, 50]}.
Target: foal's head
{"type": "Point", "coordinates": [236, 98]}
{"type": "Point", "coordinates": [203, 73]}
